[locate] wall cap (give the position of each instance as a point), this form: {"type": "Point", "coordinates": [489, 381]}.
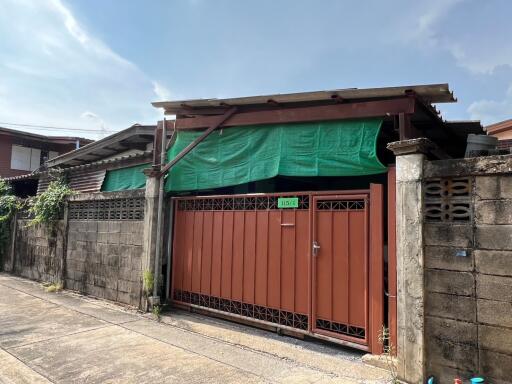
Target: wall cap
{"type": "Point", "coordinates": [474, 166]}
{"type": "Point", "coordinates": [407, 147]}
{"type": "Point", "coordinates": [107, 195]}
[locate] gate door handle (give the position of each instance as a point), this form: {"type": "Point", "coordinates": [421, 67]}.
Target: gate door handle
{"type": "Point", "coordinates": [316, 247]}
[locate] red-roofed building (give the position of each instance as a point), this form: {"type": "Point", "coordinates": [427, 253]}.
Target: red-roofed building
{"type": "Point", "coordinates": [503, 131]}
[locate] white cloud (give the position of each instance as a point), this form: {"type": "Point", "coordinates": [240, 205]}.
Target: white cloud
{"type": "Point", "coordinates": [70, 22]}
{"type": "Point", "coordinates": [492, 111]}
{"type": "Point", "coordinates": [437, 10]}
{"type": "Point", "coordinates": [476, 45]}
{"type": "Point", "coordinates": [53, 69]}
{"type": "Point", "coordinates": [161, 92]}
{"type": "Point", "coordinates": [89, 115]}
{"type": "Point", "coordinates": [419, 21]}
{"type": "Point", "coordinates": [96, 123]}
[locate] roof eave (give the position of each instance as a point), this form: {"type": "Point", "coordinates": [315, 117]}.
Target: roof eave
{"type": "Point", "coordinates": [432, 93]}
{"type": "Point", "coordinates": [35, 136]}
{"type": "Point", "coordinates": [144, 156]}
{"type": "Point", "coordinates": [98, 145]}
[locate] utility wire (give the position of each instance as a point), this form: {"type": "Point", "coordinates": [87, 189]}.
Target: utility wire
{"type": "Point", "coordinates": [49, 127]}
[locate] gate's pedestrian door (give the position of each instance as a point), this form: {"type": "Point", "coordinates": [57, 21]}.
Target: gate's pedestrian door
{"type": "Point", "coordinates": [305, 268]}
{"type": "Point", "coordinates": [340, 265]}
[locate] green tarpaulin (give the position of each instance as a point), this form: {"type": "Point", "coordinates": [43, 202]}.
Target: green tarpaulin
{"type": "Point", "coordinates": [125, 178]}
{"type": "Point", "coordinates": [240, 155]}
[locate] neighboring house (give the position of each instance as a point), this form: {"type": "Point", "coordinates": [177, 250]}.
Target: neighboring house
{"type": "Point", "coordinates": [89, 167]}
{"type": "Point", "coordinates": [22, 153]}
{"type": "Point", "coordinates": [503, 131]}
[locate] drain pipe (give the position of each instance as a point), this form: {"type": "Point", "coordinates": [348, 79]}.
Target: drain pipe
{"type": "Point", "coordinates": [158, 250]}
{"type": "Point", "coordinates": [170, 143]}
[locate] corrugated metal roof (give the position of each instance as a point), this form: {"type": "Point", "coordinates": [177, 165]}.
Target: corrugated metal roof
{"type": "Point", "coordinates": [39, 174]}
{"type": "Point", "coordinates": [135, 137]}
{"type": "Point", "coordinates": [28, 176]}
{"type": "Point", "coordinates": [142, 155]}
{"type": "Point", "coordinates": [87, 180]}
{"type": "Point", "coordinates": [42, 184]}
{"type": "Point", "coordinates": [432, 93]}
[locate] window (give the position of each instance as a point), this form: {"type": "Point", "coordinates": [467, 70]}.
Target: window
{"type": "Point", "coordinates": [52, 154]}
{"type": "Point", "coordinates": [25, 158]}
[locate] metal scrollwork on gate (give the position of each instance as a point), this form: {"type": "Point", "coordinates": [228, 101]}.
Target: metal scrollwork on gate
{"type": "Point", "coordinates": [237, 203]}
{"type": "Point", "coordinates": [448, 199]}
{"type": "Point", "coordinates": [344, 329]}
{"type": "Point", "coordinates": [340, 205]}
{"type": "Point", "coordinates": [271, 315]}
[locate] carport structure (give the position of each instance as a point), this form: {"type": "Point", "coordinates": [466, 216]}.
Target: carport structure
{"type": "Point", "coordinates": [282, 207]}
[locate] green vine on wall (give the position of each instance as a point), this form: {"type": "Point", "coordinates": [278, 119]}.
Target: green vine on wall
{"type": "Point", "coordinates": [8, 202]}
{"type": "Point", "coordinates": [8, 206]}
{"type": "Point", "coordinates": [47, 206]}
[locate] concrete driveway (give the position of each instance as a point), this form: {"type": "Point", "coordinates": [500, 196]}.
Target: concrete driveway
{"type": "Point", "coordinates": [68, 338]}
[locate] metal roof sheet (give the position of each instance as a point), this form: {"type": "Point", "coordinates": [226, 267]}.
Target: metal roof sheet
{"type": "Point", "coordinates": [432, 93]}
{"type": "Point", "coordinates": [38, 174]}
{"type": "Point", "coordinates": [134, 137]}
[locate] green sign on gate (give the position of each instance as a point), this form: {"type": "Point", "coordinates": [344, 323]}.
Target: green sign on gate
{"type": "Point", "coordinates": [287, 202]}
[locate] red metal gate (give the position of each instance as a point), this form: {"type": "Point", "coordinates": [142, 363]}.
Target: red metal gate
{"type": "Point", "coordinates": [243, 256]}
{"type": "Point", "coordinates": [340, 265]}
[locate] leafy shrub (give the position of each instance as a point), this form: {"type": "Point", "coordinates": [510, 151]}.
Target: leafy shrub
{"type": "Point", "coordinates": [47, 206]}
{"type": "Point", "coordinates": [8, 205]}
{"type": "Point", "coordinates": [5, 189]}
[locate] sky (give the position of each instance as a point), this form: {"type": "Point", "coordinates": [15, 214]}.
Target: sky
{"type": "Point", "coordinates": [93, 67]}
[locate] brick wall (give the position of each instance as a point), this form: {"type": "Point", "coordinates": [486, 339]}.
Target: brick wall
{"type": "Point", "coordinates": [39, 251]}
{"type": "Point", "coordinates": [104, 259]}
{"type": "Point", "coordinates": [468, 299]}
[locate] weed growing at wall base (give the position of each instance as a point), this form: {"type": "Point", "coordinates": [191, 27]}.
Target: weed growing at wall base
{"type": "Point", "coordinates": [389, 352]}
{"type": "Point", "coordinates": [55, 287]}
{"type": "Point", "coordinates": [149, 282]}
{"type": "Point", "coordinates": [157, 312]}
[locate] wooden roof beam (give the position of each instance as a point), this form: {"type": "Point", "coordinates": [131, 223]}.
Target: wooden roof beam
{"type": "Point", "coordinates": [366, 109]}
{"type": "Point", "coordinates": [219, 120]}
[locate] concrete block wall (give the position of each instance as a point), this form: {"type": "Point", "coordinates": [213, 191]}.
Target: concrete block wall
{"type": "Point", "coordinates": [104, 255]}
{"type": "Point", "coordinates": [468, 300]}
{"type": "Point", "coordinates": [94, 254]}
{"type": "Point", "coordinates": [39, 251]}
{"type": "Point", "coordinates": [104, 259]}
